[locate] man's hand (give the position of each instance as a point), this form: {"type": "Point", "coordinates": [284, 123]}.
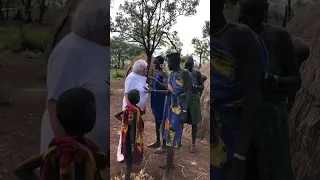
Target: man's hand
{"type": "Point", "coordinates": [152, 78]}
{"type": "Point", "coordinates": [271, 79]}
{"type": "Point", "coordinates": [118, 117]}
{"type": "Point", "coordinates": [238, 170]}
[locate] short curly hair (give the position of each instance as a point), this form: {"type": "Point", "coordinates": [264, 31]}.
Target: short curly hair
{"type": "Point", "coordinates": [91, 15]}
{"type": "Point", "coordinates": [76, 111]}
{"type": "Point", "coordinates": [140, 66]}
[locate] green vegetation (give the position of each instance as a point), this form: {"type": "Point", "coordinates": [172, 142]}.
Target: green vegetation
{"type": "Point", "coordinates": [24, 39]}
{"type": "Point", "coordinates": [123, 51]}
{"type": "Point", "coordinates": [117, 74]}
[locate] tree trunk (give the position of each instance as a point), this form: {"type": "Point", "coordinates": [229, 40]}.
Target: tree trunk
{"type": "Point", "coordinates": [122, 64]}
{"type": "Point", "coordinates": [119, 61]}
{"type": "Point", "coordinates": [42, 11]}
{"type": "Point", "coordinates": [284, 23]}
{"type": "Point", "coordinates": [7, 9]}
{"type": "Point", "coordinates": [61, 5]}
{"type": "Point", "coordinates": [40, 17]}
{"type": "Point", "coordinates": [149, 55]}
{"type": "Point", "coordinates": [200, 57]}
{"type": "Point", "coordinates": [1, 12]}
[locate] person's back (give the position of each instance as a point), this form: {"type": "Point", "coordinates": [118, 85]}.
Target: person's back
{"type": "Point", "coordinates": [70, 155]}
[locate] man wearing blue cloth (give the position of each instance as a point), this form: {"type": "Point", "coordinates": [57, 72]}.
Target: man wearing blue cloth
{"type": "Point", "coordinates": [157, 101]}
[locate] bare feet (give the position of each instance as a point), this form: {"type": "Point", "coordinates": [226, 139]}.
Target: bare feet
{"type": "Point", "coordinates": [154, 145]}
{"type": "Point", "coordinates": [193, 148]}
{"type": "Point", "coordinates": [166, 176]}
{"type": "Point", "coordinates": [160, 150]}
{"type": "Point", "coordinates": [178, 146]}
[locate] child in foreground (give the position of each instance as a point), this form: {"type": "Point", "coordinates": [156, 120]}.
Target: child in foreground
{"type": "Point", "coordinates": [70, 156]}
{"type": "Point", "coordinates": [132, 127]}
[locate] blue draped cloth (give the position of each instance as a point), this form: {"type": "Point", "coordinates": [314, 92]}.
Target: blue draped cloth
{"type": "Point", "coordinates": [173, 109]}
{"type": "Point", "coordinates": [157, 100]}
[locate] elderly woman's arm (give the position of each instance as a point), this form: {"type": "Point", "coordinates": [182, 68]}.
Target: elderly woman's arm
{"type": "Point", "coordinates": [63, 70]}
{"type": "Point", "coordinates": [55, 125]}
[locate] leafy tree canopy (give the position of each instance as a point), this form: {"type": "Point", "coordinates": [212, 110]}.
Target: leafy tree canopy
{"type": "Point", "coordinates": [149, 22]}
{"type": "Point", "coordinates": [122, 51]}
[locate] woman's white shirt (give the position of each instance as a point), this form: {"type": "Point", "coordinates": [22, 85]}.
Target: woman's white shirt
{"type": "Point", "coordinates": [136, 81]}
{"type": "Point", "coordinates": [78, 62]}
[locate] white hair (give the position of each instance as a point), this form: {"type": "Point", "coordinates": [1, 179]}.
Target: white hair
{"type": "Point", "coordinates": [139, 66]}
{"type": "Point", "coordinates": [91, 15]}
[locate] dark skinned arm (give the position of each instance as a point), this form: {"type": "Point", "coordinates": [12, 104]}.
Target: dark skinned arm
{"type": "Point", "coordinates": [200, 87]}
{"type": "Point", "coordinates": [25, 171]}
{"type": "Point", "coordinates": [250, 73]}
{"type": "Point", "coordinates": [165, 79]}
{"type": "Point", "coordinates": [204, 78]}
{"type": "Point", "coordinates": [187, 79]}
{"type": "Point", "coordinates": [157, 91]}
{"type": "Point", "coordinates": [154, 90]}
{"type": "Point", "coordinates": [118, 115]}
{"type": "Point", "coordinates": [292, 79]}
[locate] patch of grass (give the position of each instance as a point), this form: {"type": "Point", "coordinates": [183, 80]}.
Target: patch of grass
{"type": "Point", "coordinates": [117, 74]}
{"type": "Point", "coordinates": [34, 39]}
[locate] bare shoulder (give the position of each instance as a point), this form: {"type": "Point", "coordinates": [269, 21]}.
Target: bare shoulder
{"type": "Point", "coordinates": [241, 29]}
{"type": "Point", "coordinates": [278, 31]}
{"type": "Point", "coordinates": [242, 34]}
{"type": "Point", "coordinates": [185, 72]}
{"type": "Point", "coordinates": [163, 73]}
{"type": "Point", "coordinates": [197, 72]}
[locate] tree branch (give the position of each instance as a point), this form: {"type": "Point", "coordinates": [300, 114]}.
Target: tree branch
{"type": "Point", "coordinates": [154, 44]}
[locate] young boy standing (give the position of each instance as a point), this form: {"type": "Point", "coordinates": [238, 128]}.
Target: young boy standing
{"type": "Point", "coordinates": [70, 156]}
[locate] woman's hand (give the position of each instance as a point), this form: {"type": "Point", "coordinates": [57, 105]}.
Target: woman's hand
{"type": "Point", "coordinates": [238, 170]}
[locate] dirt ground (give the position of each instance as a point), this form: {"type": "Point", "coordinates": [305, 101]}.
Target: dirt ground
{"type": "Point", "coordinates": [187, 166]}
{"type": "Point", "coordinates": [20, 124]}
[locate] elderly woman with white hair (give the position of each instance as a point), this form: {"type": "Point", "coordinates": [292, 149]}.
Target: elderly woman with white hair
{"type": "Point", "coordinates": [137, 79]}
{"type": "Point", "coordinates": [81, 59]}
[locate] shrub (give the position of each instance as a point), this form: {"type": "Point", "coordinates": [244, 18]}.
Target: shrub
{"type": "Point", "coordinates": [117, 74]}
{"type": "Point", "coordinates": [34, 40]}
